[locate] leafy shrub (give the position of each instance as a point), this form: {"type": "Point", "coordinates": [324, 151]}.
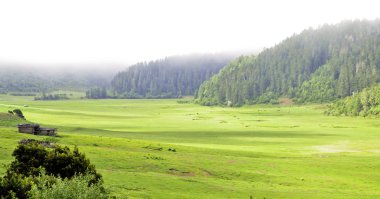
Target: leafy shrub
{"type": "Point", "coordinates": [365, 103]}
{"type": "Point", "coordinates": [268, 98]}
{"type": "Point", "coordinates": [14, 185]}
{"type": "Point", "coordinates": [63, 166]}
{"type": "Point", "coordinates": [59, 161]}
{"type": "Point", "coordinates": [76, 187]}
{"type": "Point", "coordinates": [28, 158]}
{"type": "Point", "coordinates": [66, 164]}
{"type": "Point", "coordinates": [19, 113]}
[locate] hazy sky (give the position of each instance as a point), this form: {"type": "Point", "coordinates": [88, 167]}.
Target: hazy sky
{"type": "Point", "coordinates": [126, 31]}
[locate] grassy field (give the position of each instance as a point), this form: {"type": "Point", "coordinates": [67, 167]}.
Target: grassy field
{"type": "Point", "coordinates": [263, 151]}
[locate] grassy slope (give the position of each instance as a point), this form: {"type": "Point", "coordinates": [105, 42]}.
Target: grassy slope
{"type": "Point", "coordinates": [12, 120]}
{"type": "Point", "coordinates": [272, 152]}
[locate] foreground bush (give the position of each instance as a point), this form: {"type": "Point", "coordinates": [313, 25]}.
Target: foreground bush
{"type": "Point", "coordinates": [39, 171]}
{"type": "Point", "coordinates": [76, 187]}
{"type": "Point", "coordinates": [14, 185]}
{"type": "Point", "coordinates": [58, 161]}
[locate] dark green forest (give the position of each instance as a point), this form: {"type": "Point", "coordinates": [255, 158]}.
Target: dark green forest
{"type": "Point", "coordinates": [317, 65]}
{"type": "Point", "coordinates": [170, 77]}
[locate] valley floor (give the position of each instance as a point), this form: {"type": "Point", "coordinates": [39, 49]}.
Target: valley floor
{"type": "Point", "coordinates": [215, 152]}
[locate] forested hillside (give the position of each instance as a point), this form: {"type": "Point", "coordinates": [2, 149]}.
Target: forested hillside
{"type": "Point", "coordinates": [168, 78]}
{"type": "Point", "coordinates": [317, 65]}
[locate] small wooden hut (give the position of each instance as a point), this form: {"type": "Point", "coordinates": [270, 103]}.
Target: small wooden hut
{"type": "Point", "coordinates": [47, 131]}
{"type": "Point", "coordinates": [28, 128]}
{"type": "Point", "coordinates": [35, 129]}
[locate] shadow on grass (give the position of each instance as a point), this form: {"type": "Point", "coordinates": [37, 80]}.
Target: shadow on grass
{"type": "Point", "coordinates": [172, 134]}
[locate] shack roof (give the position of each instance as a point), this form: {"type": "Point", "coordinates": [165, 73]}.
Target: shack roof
{"type": "Point", "coordinates": [28, 125]}
{"type": "Point", "coordinates": [48, 129]}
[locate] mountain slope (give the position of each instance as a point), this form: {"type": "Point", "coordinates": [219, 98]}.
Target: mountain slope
{"type": "Point", "coordinates": [168, 78]}
{"type": "Point", "coordinates": [315, 66]}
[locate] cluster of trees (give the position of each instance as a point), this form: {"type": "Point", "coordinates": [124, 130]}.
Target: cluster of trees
{"type": "Point", "coordinates": [315, 66]}
{"type": "Point", "coordinates": [96, 93]}
{"type": "Point", "coordinates": [45, 96]}
{"type": "Point", "coordinates": [58, 172]}
{"type": "Point", "coordinates": [18, 113]}
{"type": "Point", "coordinates": [22, 94]}
{"type": "Point", "coordinates": [171, 77]}
{"type": "Point", "coordinates": [364, 103]}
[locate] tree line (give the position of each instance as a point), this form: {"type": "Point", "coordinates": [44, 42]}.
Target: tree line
{"type": "Point", "coordinates": [170, 77]}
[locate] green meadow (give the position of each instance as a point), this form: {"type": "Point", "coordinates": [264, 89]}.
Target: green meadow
{"type": "Point", "coordinates": [166, 149]}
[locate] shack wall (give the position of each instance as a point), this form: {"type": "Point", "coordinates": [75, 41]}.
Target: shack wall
{"type": "Point", "coordinates": [50, 132]}
{"type": "Point", "coordinates": [29, 130]}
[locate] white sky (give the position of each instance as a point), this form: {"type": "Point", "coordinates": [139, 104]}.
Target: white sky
{"type": "Point", "coordinates": [56, 32]}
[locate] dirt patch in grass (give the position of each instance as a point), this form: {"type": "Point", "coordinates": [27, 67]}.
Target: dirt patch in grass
{"type": "Point", "coordinates": [177, 172]}
{"type": "Point", "coordinates": [231, 161]}
{"type": "Point", "coordinates": [285, 101]}
{"type": "Point", "coordinates": [334, 149]}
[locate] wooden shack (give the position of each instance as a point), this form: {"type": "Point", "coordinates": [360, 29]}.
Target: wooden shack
{"type": "Point", "coordinates": [47, 131]}
{"type": "Point", "coordinates": [35, 129]}
{"type": "Point", "coordinates": [28, 128]}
